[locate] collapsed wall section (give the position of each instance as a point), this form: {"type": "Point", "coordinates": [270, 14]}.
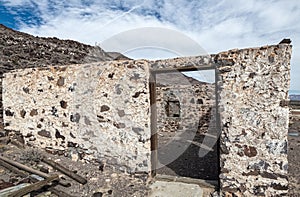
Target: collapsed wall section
{"type": "Point", "coordinates": [253, 89]}
{"type": "Point", "coordinates": [101, 108]}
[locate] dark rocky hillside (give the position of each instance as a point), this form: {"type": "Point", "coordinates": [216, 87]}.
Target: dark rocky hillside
{"type": "Point", "coordinates": [21, 50]}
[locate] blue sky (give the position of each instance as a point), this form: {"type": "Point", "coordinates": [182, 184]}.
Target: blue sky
{"type": "Point", "coordinates": [216, 25]}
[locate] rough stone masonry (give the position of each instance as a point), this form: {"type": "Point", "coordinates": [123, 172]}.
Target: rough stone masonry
{"type": "Point", "coordinates": [253, 87]}
{"type": "Point", "coordinates": [100, 108]}
{"type": "Point", "coordinates": [183, 102]}
{"type": "Point", "coordinates": [104, 109]}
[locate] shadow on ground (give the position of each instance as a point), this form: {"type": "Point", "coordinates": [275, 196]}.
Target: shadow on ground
{"type": "Point", "coordinates": [189, 163]}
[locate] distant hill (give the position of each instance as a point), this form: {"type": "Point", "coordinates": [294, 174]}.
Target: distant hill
{"type": "Point", "coordinates": [21, 50]}
{"type": "Point", "coordinates": [176, 78]}
{"type": "Point", "coordinates": [294, 97]}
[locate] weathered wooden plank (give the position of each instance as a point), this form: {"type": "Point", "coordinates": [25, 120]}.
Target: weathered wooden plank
{"type": "Point", "coordinates": [66, 171]}
{"type": "Point", "coordinates": [31, 170]}
{"type": "Point", "coordinates": [33, 187]}
{"type": "Point", "coordinates": [33, 179]}
{"type": "Point", "coordinates": [7, 191]}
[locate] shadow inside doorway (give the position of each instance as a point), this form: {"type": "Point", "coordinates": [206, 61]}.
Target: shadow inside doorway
{"type": "Point", "coordinates": [199, 160]}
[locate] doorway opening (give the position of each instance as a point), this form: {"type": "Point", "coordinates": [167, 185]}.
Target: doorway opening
{"type": "Point", "coordinates": [185, 137]}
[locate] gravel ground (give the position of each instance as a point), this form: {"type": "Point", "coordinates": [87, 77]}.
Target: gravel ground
{"type": "Point", "coordinates": [294, 156]}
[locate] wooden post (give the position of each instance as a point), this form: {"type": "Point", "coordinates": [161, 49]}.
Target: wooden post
{"type": "Point", "coordinates": [154, 143]}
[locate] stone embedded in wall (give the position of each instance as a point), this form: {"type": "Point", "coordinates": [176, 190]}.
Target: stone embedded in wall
{"type": "Point", "coordinates": [75, 117]}
{"type": "Point", "coordinates": [58, 135]}
{"type": "Point", "coordinates": [22, 113]}
{"type": "Point", "coordinates": [60, 81]}
{"type": "Point", "coordinates": [26, 90]}
{"type": "Point", "coordinates": [104, 108]}
{"type": "Point", "coordinates": [9, 113]}
{"type": "Point", "coordinates": [63, 104]}
{"type": "Point", "coordinates": [33, 112]}
{"type": "Point", "coordinates": [44, 133]}
{"type": "Point", "coordinates": [250, 151]}
{"type": "Point", "coordinates": [121, 113]}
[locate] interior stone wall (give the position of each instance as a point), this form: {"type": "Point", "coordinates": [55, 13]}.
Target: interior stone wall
{"type": "Point", "coordinates": [99, 108]}
{"type": "Point", "coordinates": [195, 106]}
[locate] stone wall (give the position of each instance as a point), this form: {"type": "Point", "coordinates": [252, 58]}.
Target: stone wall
{"type": "Point", "coordinates": [101, 109]}
{"type": "Point", "coordinates": [185, 107]}
{"type": "Point", "coordinates": [253, 88]}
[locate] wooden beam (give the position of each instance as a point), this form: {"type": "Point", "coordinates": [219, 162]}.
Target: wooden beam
{"type": "Point", "coordinates": [33, 187]}
{"type": "Point", "coordinates": [25, 175]}
{"type": "Point", "coordinates": [64, 170]}
{"type": "Point", "coordinates": [31, 170]}
{"type": "Point", "coordinates": [182, 69]}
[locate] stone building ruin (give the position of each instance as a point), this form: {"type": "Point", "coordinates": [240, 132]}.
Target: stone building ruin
{"type": "Point", "coordinates": [108, 110]}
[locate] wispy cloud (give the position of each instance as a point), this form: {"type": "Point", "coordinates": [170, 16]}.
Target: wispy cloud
{"type": "Point", "coordinates": [216, 25]}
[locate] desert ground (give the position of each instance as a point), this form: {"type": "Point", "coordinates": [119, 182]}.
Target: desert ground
{"type": "Point", "coordinates": [294, 152]}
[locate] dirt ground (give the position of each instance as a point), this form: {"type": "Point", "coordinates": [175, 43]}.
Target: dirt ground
{"type": "Point", "coordinates": [294, 155]}
{"type": "Point", "coordinates": [188, 164]}
{"type": "Point", "coordinates": [294, 166]}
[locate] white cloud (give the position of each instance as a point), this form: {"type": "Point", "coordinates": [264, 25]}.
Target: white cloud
{"type": "Point", "coordinates": [216, 25]}
{"type": "Point", "coordinates": [16, 2]}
